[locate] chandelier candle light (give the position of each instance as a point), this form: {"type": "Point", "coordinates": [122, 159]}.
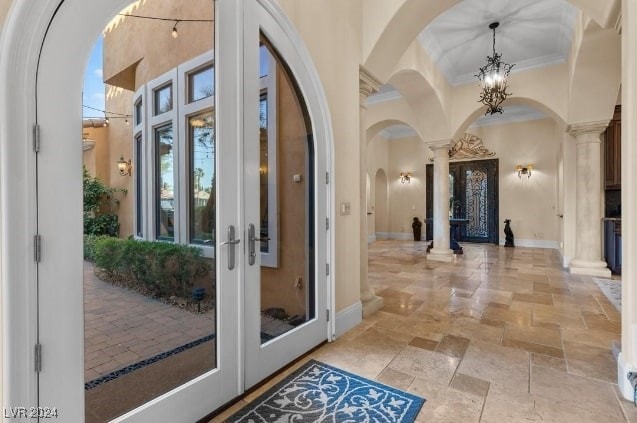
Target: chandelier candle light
{"type": "Point", "coordinates": [493, 78]}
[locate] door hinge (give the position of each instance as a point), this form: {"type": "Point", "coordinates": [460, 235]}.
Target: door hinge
{"type": "Point", "coordinates": [327, 223]}
{"type": "Point", "coordinates": [327, 315]}
{"type": "Point", "coordinates": [36, 138]}
{"type": "Point", "coordinates": [37, 248]}
{"type": "Point", "coordinates": [327, 269]}
{"type": "Point", "coordinates": [38, 357]}
{"type": "Point", "coordinates": [327, 177]}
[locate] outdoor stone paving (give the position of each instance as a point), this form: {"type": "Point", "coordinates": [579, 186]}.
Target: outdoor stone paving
{"type": "Point", "coordinates": [123, 327]}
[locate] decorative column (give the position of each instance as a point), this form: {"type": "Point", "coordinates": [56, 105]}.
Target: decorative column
{"type": "Point", "coordinates": [588, 210]}
{"type": "Point", "coordinates": [441, 250]}
{"type": "Point", "coordinates": [627, 359]}
{"type": "Point", "coordinates": [368, 85]}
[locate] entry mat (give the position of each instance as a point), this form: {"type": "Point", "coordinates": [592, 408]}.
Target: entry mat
{"type": "Point", "coordinates": [317, 392]}
{"type": "Point", "coordinates": [612, 289]}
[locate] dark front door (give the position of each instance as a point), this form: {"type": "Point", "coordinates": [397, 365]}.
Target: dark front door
{"type": "Point", "coordinates": [473, 189]}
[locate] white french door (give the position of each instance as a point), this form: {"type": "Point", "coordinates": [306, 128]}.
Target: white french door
{"type": "Point", "coordinates": [271, 250]}
{"type": "Point", "coordinates": [285, 202]}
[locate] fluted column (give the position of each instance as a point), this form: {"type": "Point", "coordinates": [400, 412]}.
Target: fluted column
{"type": "Point", "coordinates": [368, 85]}
{"type": "Point", "coordinates": [441, 250]}
{"type": "Point", "coordinates": [588, 210]}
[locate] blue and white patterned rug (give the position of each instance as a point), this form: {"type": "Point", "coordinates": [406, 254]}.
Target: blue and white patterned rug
{"type": "Point", "coordinates": [612, 289]}
{"type": "Point", "coordinates": [317, 392]}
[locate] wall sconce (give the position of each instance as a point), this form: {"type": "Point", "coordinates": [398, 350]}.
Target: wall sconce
{"type": "Point", "coordinates": [405, 177]}
{"type": "Point", "coordinates": [125, 167]}
{"type": "Point", "coordinates": [524, 170]}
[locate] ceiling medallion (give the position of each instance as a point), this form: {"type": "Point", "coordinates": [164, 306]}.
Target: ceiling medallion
{"type": "Point", "coordinates": [493, 78]}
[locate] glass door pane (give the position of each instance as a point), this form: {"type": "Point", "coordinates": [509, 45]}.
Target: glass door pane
{"type": "Point", "coordinates": [286, 185]}
{"type": "Point", "coordinates": [150, 291]}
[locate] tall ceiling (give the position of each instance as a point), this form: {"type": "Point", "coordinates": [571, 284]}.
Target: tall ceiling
{"type": "Point", "coordinates": [532, 34]}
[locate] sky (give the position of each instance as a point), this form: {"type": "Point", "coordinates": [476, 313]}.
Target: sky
{"type": "Point", "coordinates": [93, 94]}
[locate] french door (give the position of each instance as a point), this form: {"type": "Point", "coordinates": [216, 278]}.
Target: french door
{"type": "Point", "coordinates": [269, 299]}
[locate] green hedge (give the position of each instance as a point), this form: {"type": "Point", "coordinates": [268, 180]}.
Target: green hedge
{"type": "Point", "coordinates": [89, 245]}
{"type": "Point", "coordinates": [162, 268]}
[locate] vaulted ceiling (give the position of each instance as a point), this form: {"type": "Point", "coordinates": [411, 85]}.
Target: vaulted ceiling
{"type": "Point", "coordinates": [532, 34]}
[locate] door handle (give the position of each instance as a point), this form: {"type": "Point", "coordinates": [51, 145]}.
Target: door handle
{"type": "Point", "coordinates": [252, 254]}
{"type": "Point", "coordinates": [231, 242]}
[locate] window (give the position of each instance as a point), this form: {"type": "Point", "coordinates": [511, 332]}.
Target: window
{"type": "Point", "coordinates": [201, 139]}
{"type": "Point", "coordinates": [175, 153]}
{"type": "Point", "coordinates": [139, 189]}
{"type": "Point", "coordinates": [163, 99]}
{"type": "Point", "coordinates": [165, 185]}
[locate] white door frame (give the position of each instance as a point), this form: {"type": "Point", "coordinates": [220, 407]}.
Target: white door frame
{"type": "Point", "coordinates": [20, 43]}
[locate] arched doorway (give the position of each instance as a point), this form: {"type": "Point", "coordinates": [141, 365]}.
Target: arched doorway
{"type": "Point", "coordinates": [382, 205]}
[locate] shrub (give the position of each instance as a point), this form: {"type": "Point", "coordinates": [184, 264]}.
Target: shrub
{"type": "Point", "coordinates": [161, 268]}
{"type": "Point", "coordinates": [89, 246]}
{"type": "Point", "coordinates": [99, 203]}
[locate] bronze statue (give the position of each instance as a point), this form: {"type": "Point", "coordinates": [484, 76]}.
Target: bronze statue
{"type": "Point", "coordinates": [509, 234]}
{"type": "Point", "coordinates": [417, 227]}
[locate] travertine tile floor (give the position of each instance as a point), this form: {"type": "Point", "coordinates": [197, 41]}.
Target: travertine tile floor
{"type": "Point", "coordinates": [502, 335]}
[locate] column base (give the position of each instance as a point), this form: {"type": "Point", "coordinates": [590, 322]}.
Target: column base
{"type": "Point", "coordinates": [622, 378]}
{"type": "Point", "coordinates": [372, 305]}
{"type": "Point", "coordinates": [590, 268]}
{"type": "Point", "coordinates": [444, 255]}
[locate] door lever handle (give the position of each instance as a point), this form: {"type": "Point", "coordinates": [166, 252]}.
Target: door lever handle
{"type": "Point", "coordinates": [252, 238]}
{"type": "Point", "coordinates": [231, 242]}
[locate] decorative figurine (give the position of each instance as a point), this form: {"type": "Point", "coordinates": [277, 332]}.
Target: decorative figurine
{"type": "Point", "coordinates": [509, 234]}
{"type": "Point", "coordinates": [417, 227]}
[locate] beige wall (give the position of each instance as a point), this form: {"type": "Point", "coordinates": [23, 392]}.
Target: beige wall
{"type": "Point", "coordinates": [377, 169]}
{"type": "Point", "coordinates": [336, 54]}
{"type": "Point", "coordinates": [130, 41]}
{"type": "Point", "coordinates": [406, 200]}
{"type": "Point", "coordinates": [530, 203]}
{"type": "Point", "coordinates": [120, 142]}
{"type": "Point", "coordinates": [97, 158]}
{"type": "Point", "coordinates": [4, 10]}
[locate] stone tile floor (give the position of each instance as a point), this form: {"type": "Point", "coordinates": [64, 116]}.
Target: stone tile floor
{"type": "Point", "coordinates": [502, 335]}
{"type": "Point", "coordinates": [122, 327]}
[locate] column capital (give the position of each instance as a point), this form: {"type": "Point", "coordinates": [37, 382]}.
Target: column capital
{"type": "Point", "coordinates": [587, 128]}
{"type": "Point", "coordinates": [440, 146]}
{"type": "Point", "coordinates": [368, 83]}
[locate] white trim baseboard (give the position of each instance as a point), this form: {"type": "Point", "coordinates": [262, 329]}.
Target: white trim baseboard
{"type": "Point", "coordinates": [382, 235]}
{"type": "Point", "coordinates": [535, 243]}
{"type": "Point", "coordinates": [348, 318]}
{"type": "Point", "coordinates": [371, 238]}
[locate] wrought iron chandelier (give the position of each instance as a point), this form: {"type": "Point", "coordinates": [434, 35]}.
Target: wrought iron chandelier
{"type": "Point", "coordinates": [493, 78]}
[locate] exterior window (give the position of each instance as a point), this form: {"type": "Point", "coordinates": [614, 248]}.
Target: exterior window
{"type": "Point", "coordinates": [138, 112]}
{"type": "Point", "coordinates": [201, 134]}
{"type": "Point", "coordinates": [163, 99]}
{"type": "Point", "coordinates": [139, 190]}
{"type": "Point", "coordinates": [165, 189]}
{"type": "Point", "coordinates": [175, 146]}
{"type": "Point", "coordinates": [201, 84]}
